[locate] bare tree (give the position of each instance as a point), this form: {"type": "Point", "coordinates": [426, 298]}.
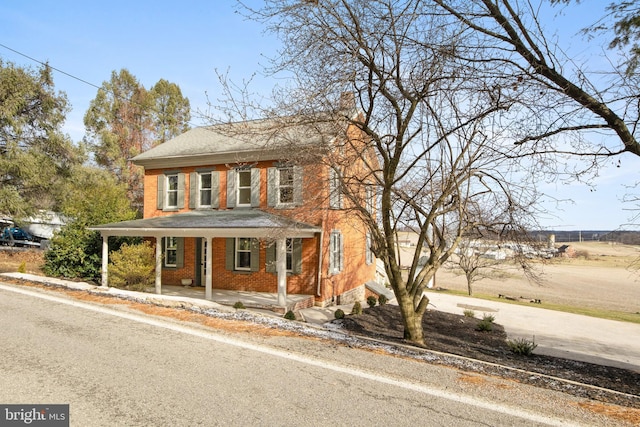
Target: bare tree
{"type": "Point", "coordinates": [391, 71]}
{"type": "Point", "coordinates": [560, 106]}
{"type": "Point", "coordinates": [477, 261]}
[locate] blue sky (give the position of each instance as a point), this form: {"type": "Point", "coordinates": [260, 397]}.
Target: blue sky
{"type": "Point", "coordinates": [185, 42]}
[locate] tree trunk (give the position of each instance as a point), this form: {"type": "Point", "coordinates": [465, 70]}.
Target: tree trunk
{"type": "Point", "coordinates": [412, 320]}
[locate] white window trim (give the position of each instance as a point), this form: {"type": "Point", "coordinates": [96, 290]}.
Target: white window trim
{"type": "Point", "coordinates": [169, 191]}
{"type": "Point", "coordinates": [336, 255]}
{"type": "Point", "coordinates": [236, 250]}
{"type": "Point", "coordinates": [200, 189]}
{"type": "Point", "coordinates": [291, 186]}
{"type": "Point", "coordinates": [170, 248]}
{"type": "Point", "coordinates": [368, 252]}
{"type": "Point", "coordinates": [289, 254]}
{"type": "Point", "coordinates": [238, 187]}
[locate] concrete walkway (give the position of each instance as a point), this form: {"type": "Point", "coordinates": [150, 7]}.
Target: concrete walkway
{"type": "Point", "coordinates": [572, 336]}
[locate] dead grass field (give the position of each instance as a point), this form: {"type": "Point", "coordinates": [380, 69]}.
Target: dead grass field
{"type": "Point", "coordinates": [603, 279]}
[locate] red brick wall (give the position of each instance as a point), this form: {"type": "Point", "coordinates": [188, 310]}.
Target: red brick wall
{"type": "Point", "coordinates": [314, 212]}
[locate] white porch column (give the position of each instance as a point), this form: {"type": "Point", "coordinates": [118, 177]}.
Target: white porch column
{"type": "Point", "coordinates": [158, 265]}
{"type": "Point", "coordinates": [105, 261]}
{"type": "Point", "coordinates": [281, 269]}
{"type": "Point", "coordinates": [208, 283]}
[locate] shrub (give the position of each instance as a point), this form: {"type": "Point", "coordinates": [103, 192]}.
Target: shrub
{"type": "Point", "coordinates": [22, 268]}
{"type": "Point", "coordinates": [239, 305]}
{"type": "Point", "coordinates": [469, 313]}
{"type": "Point", "coordinates": [290, 315]}
{"type": "Point", "coordinates": [522, 346]}
{"type": "Point", "coordinates": [486, 317]}
{"type": "Point", "coordinates": [339, 314]}
{"type": "Point", "coordinates": [133, 267]}
{"type": "Point", "coordinates": [484, 326]}
{"type": "Point", "coordinates": [357, 308]}
{"type": "Point", "coordinates": [371, 301]}
{"type": "Point", "coordinates": [74, 252]}
{"type": "Point", "coordinates": [382, 300]}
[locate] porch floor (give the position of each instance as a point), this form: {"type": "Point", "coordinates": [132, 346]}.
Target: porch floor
{"type": "Point", "coordinates": [259, 300]}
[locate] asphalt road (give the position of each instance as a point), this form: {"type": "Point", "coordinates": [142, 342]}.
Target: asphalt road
{"type": "Point", "coordinates": [118, 367]}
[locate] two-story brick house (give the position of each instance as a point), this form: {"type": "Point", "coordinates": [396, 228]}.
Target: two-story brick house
{"type": "Point", "coordinates": [241, 207]}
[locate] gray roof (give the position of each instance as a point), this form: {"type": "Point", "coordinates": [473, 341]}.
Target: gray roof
{"type": "Point", "coordinates": [236, 142]}
{"type": "Point", "coordinates": [242, 222]}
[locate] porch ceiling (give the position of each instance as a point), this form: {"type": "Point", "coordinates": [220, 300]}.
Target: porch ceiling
{"type": "Point", "coordinates": [211, 223]}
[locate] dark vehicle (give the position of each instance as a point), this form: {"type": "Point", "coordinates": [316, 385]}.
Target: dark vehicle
{"type": "Point", "coordinates": [16, 236]}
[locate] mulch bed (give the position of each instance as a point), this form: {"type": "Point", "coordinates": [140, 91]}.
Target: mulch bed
{"type": "Point", "coordinates": [458, 334]}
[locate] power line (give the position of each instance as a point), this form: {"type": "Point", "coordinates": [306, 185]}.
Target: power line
{"type": "Point", "coordinates": [45, 64]}
{"type": "Point", "coordinates": [53, 68]}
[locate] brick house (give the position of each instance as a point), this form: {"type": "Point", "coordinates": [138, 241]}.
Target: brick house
{"type": "Point", "coordinates": [239, 207]}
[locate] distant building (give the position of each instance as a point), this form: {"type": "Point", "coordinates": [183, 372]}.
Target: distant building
{"type": "Point", "coordinates": [566, 251]}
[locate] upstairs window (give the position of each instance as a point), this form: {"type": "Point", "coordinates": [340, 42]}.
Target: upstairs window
{"type": "Point", "coordinates": [244, 188]}
{"type": "Point", "coordinates": [204, 190]}
{"type": "Point", "coordinates": [284, 186]}
{"type": "Point", "coordinates": [172, 191]}
{"type": "Point", "coordinates": [335, 190]}
{"type": "Point", "coordinates": [171, 186]}
{"type": "Point", "coordinates": [370, 199]}
{"type": "Point", "coordinates": [205, 186]}
{"type": "Point", "coordinates": [368, 258]}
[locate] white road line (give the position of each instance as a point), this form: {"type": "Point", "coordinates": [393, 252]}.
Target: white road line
{"type": "Point", "coordinates": [420, 388]}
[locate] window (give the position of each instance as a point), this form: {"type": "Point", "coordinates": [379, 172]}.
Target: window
{"type": "Point", "coordinates": [293, 254]}
{"type": "Point", "coordinates": [289, 254]}
{"type": "Point", "coordinates": [172, 191]}
{"type": "Point", "coordinates": [171, 186]}
{"type": "Point", "coordinates": [368, 254]}
{"type": "Point", "coordinates": [170, 252]}
{"type": "Point", "coordinates": [243, 254]}
{"type": "Point", "coordinates": [335, 190]}
{"type": "Point", "coordinates": [204, 190]}
{"type": "Point", "coordinates": [335, 253]}
{"type": "Point", "coordinates": [285, 185]}
{"type": "Point", "coordinates": [370, 199]}
{"type": "Point", "coordinates": [244, 188]}
{"type": "Point", "coordinates": [204, 186]}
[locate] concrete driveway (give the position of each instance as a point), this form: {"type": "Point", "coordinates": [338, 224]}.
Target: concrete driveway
{"type": "Point", "coordinates": [572, 336]}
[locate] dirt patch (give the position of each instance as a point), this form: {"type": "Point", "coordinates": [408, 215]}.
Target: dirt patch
{"type": "Point", "coordinates": [12, 258]}
{"type": "Point", "coordinates": [605, 279]}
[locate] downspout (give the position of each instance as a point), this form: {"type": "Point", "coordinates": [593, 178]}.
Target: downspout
{"type": "Point", "coordinates": [320, 251]}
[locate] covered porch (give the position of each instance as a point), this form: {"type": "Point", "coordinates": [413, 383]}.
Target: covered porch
{"type": "Point", "coordinates": [250, 299]}
{"type": "Point", "coordinates": [207, 225]}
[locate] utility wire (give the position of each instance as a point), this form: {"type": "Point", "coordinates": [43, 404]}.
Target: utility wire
{"type": "Point", "coordinates": [53, 68]}
{"type": "Point", "coordinates": [46, 64]}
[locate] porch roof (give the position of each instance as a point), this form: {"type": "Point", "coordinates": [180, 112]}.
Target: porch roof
{"type": "Point", "coordinates": [211, 223]}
